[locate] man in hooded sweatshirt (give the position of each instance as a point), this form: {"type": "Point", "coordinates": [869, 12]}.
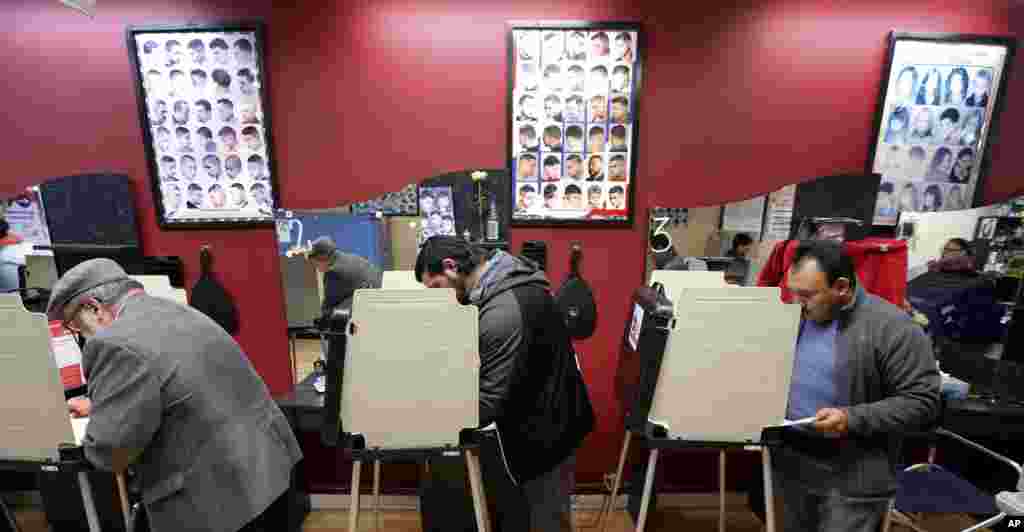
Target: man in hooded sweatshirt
{"type": "Point", "coordinates": [534, 408]}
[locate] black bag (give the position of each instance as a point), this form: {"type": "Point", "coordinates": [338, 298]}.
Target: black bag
{"type": "Point", "coordinates": [210, 298]}
{"type": "Point", "coordinates": [576, 301]}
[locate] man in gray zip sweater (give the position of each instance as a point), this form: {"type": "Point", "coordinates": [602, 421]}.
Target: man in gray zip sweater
{"type": "Point", "coordinates": [867, 375]}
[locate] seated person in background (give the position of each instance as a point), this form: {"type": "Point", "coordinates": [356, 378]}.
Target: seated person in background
{"type": "Point", "coordinates": [12, 256]}
{"type": "Point", "coordinates": [670, 260]}
{"type": "Point", "coordinates": [534, 407]}
{"type": "Point", "coordinates": [738, 271]}
{"type": "Point", "coordinates": [956, 256]}
{"type": "Point", "coordinates": [867, 375]}
{"type": "Point", "coordinates": [344, 273]}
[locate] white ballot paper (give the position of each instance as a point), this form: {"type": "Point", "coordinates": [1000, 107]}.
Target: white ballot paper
{"type": "Point", "coordinates": [78, 425]}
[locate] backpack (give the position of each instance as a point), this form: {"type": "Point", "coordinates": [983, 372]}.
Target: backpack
{"type": "Point", "coordinates": [575, 300]}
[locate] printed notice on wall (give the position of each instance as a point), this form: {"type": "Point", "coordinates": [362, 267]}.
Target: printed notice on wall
{"type": "Point", "coordinates": [779, 216]}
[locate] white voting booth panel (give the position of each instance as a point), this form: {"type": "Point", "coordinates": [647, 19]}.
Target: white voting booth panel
{"type": "Point", "coordinates": [412, 369]}
{"type": "Point", "coordinates": [675, 281]}
{"type": "Point", "coordinates": [33, 413]}
{"type": "Point", "coordinates": [727, 366]}
{"type": "Point", "coordinates": [401, 280]}
{"type": "Point", "coordinates": [160, 286]}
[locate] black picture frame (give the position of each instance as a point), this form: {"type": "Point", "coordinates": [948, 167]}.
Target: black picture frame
{"type": "Point", "coordinates": [252, 213]}
{"type": "Point", "coordinates": [633, 126]}
{"type": "Point", "coordinates": [989, 129]}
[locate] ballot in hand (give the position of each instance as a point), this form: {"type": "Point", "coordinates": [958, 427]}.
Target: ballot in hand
{"type": "Point", "coordinates": [833, 421]}
{"type": "Point", "coordinates": [79, 407]}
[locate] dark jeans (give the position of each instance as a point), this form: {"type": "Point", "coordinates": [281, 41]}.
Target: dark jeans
{"type": "Point", "coordinates": [803, 510]}
{"type": "Point", "coordinates": [828, 512]}
{"type": "Point", "coordinates": [540, 505]}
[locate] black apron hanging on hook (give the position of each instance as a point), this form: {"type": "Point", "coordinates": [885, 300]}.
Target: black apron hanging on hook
{"type": "Point", "coordinates": [210, 298]}
{"type": "Point", "coordinates": [576, 300]}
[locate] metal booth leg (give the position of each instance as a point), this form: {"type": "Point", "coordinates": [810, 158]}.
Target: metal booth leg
{"type": "Point", "coordinates": [376, 494]}
{"type": "Point", "coordinates": [608, 507]}
{"type": "Point", "coordinates": [90, 506]}
{"type": "Point", "coordinates": [353, 510]}
{"type": "Point", "coordinates": [645, 501]}
{"type": "Point", "coordinates": [769, 493]}
{"type": "Point", "coordinates": [721, 490]}
{"type": "Point", "coordinates": [483, 520]}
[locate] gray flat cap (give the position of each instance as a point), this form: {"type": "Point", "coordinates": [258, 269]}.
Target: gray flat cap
{"type": "Point", "coordinates": [82, 278]}
{"type": "Point", "coordinates": [322, 247]}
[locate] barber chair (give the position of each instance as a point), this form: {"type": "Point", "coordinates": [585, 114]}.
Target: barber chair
{"type": "Point", "coordinates": [930, 488]}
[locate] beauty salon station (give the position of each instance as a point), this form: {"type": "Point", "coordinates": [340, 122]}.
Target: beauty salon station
{"type": "Point", "coordinates": [673, 196]}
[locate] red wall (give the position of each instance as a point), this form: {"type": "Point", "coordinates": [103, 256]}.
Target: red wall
{"type": "Point", "coordinates": [370, 96]}
{"type": "Point", "coordinates": [70, 108]}
{"type": "Point", "coordinates": [736, 102]}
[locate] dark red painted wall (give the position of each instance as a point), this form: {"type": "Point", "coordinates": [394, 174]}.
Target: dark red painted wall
{"type": "Point", "coordinates": [69, 107]}
{"type": "Point", "coordinates": [369, 96]}
{"type": "Point", "coordinates": [373, 95]}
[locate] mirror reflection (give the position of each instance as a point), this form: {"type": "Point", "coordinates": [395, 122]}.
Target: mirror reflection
{"type": "Point", "coordinates": [327, 254]}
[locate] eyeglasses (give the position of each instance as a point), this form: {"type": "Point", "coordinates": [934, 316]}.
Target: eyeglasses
{"type": "Point", "coordinates": [67, 324]}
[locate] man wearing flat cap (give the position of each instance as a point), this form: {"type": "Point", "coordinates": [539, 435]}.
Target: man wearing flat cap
{"type": "Point", "coordinates": [344, 273]}
{"type": "Point", "coordinates": [174, 398]}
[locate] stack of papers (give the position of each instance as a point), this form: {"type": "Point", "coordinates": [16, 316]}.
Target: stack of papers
{"type": "Point", "coordinates": [78, 425]}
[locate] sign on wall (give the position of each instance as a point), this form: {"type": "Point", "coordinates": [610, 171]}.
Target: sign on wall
{"type": "Point", "coordinates": [941, 97]}
{"type": "Point", "coordinates": [572, 141]}
{"type": "Point", "coordinates": [205, 124]}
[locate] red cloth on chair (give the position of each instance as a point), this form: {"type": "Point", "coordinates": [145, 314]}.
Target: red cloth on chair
{"type": "Point", "coordinates": [881, 266]}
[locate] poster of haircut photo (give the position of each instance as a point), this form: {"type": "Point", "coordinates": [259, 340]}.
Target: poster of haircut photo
{"type": "Point", "coordinates": [940, 98]}
{"type": "Point", "coordinates": [437, 212]}
{"type": "Point", "coordinates": [572, 102]}
{"type": "Point", "coordinates": [205, 122]}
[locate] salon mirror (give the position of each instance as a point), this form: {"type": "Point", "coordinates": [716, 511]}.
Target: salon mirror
{"type": "Point", "coordinates": [700, 237]}
{"type": "Point", "coordinates": [388, 230]}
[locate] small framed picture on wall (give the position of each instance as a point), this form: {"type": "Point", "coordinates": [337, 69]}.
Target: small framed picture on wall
{"type": "Point", "coordinates": [940, 101]}
{"type": "Point", "coordinates": [205, 123]}
{"type": "Point", "coordinates": [572, 122]}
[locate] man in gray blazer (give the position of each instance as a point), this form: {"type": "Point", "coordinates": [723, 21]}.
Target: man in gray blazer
{"type": "Point", "coordinates": [174, 398]}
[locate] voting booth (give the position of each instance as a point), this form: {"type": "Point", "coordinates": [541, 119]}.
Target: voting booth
{"type": "Point", "coordinates": [37, 432]}
{"type": "Point", "coordinates": [715, 363]}
{"type": "Point", "coordinates": [401, 397]}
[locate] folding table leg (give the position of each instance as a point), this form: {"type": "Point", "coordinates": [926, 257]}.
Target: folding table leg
{"type": "Point", "coordinates": [645, 501]}
{"type": "Point", "coordinates": [769, 497]}
{"type": "Point", "coordinates": [609, 505]}
{"type": "Point", "coordinates": [353, 509]}
{"type": "Point", "coordinates": [90, 506]}
{"type": "Point", "coordinates": [476, 486]}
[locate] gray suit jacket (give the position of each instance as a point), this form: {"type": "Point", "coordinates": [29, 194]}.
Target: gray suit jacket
{"type": "Point", "coordinates": [211, 449]}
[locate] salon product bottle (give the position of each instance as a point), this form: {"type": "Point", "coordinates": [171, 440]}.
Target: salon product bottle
{"type": "Point", "coordinates": [492, 222]}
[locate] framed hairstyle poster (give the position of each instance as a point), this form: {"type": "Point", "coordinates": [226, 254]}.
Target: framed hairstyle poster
{"type": "Point", "coordinates": [205, 123]}
{"type": "Point", "coordinates": [572, 122]}
{"type": "Point", "coordinates": [940, 101]}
